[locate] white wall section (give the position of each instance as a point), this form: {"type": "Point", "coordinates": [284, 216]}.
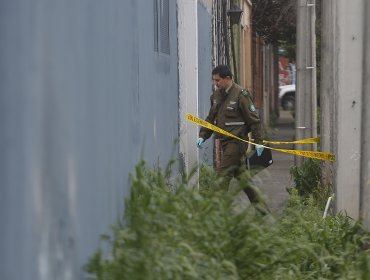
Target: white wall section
{"type": "Point", "coordinates": [188, 79]}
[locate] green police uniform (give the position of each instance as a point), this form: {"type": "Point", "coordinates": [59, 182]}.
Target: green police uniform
{"type": "Point", "coordinates": [233, 111]}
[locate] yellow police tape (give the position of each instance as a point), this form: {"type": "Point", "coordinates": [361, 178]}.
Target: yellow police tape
{"type": "Point", "coordinates": [303, 141]}
{"type": "Point", "coordinates": [309, 154]}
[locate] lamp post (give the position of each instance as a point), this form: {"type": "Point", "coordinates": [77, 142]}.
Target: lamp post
{"type": "Point", "coordinates": [234, 14]}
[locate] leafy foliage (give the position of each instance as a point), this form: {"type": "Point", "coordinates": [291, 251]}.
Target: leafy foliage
{"type": "Point", "coordinates": [307, 182]}
{"type": "Point", "coordinates": [275, 20]}
{"type": "Point", "coordinates": [175, 231]}
{"type": "Point", "coordinates": [306, 177]}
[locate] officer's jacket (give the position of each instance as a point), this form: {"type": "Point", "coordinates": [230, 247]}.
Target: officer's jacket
{"type": "Point", "coordinates": [234, 112]}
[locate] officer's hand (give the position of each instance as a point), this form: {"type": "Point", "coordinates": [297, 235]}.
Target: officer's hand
{"type": "Point", "coordinates": [259, 150]}
{"type": "Point", "coordinates": [200, 141]}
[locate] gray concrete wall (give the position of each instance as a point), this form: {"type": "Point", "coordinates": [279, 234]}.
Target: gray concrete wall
{"type": "Point", "coordinates": [348, 77]}
{"type": "Point", "coordinates": [344, 123]}
{"type": "Point", "coordinates": [81, 93]}
{"type": "Point", "coordinates": [205, 73]}
{"type": "Point", "coordinates": [328, 87]}
{"type": "Point", "coordinates": [365, 133]}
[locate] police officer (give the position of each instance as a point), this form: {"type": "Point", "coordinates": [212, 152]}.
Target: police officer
{"type": "Point", "coordinates": [232, 110]}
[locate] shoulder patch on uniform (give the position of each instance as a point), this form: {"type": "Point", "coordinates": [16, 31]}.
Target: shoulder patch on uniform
{"type": "Point", "coordinates": [252, 108]}
{"type": "Point", "coordinates": [245, 92]}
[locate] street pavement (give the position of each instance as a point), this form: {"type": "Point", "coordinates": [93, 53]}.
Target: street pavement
{"type": "Point", "coordinates": [273, 180]}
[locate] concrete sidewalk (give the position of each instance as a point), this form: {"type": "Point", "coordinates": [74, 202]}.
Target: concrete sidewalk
{"type": "Point", "coordinates": [274, 180]}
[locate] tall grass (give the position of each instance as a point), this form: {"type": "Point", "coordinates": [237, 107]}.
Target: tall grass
{"type": "Point", "coordinates": [307, 182]}
{"type": "Point", "coordinates": [173, 231]}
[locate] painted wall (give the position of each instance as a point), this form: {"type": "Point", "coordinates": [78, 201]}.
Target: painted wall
{"type": "Point", "coordinates": [245, 47]}
{"type": "Point", "coordinates": [82, 92]}
{"type": "Point", "coordinates": [205, 73]}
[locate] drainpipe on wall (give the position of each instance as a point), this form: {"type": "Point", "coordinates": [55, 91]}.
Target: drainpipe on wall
{"type": "Point", "coordinates": [265, 87]}
{"type": "Point", "coordinates": [188, 81]}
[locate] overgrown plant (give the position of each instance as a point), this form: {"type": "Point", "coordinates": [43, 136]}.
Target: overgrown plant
{"type": "Point", "coordinates": [308, 184]}
{"type": "Point", "coordinates": [306, 177]}
{"type": "Point", "coordinates": [175, 231]}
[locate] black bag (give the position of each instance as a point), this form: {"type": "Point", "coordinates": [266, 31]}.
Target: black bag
{"type": "Point", "coordinates": [260, 162]}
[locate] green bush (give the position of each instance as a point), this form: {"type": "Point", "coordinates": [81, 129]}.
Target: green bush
{"type": "Point", "coordinates": [307, 182]}
{"type": "Point", "coordinates": [173, 231]}
{"type": "Point", "coordinates": [306, 177]}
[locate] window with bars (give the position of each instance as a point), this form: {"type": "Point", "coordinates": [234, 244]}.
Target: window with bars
{"type": "Point", "coordinates": [161, 26]}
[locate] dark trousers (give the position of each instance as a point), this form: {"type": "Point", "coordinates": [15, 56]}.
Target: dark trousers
{"type": "Point", "coordinates": [232, 158]}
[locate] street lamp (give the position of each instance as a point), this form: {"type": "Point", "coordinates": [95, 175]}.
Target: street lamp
{"type": "Point", "coordinates": [235, 14]}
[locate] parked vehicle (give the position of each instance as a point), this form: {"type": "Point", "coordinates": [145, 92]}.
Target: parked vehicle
{"type": "Point", "coordinates": [287, 97]}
